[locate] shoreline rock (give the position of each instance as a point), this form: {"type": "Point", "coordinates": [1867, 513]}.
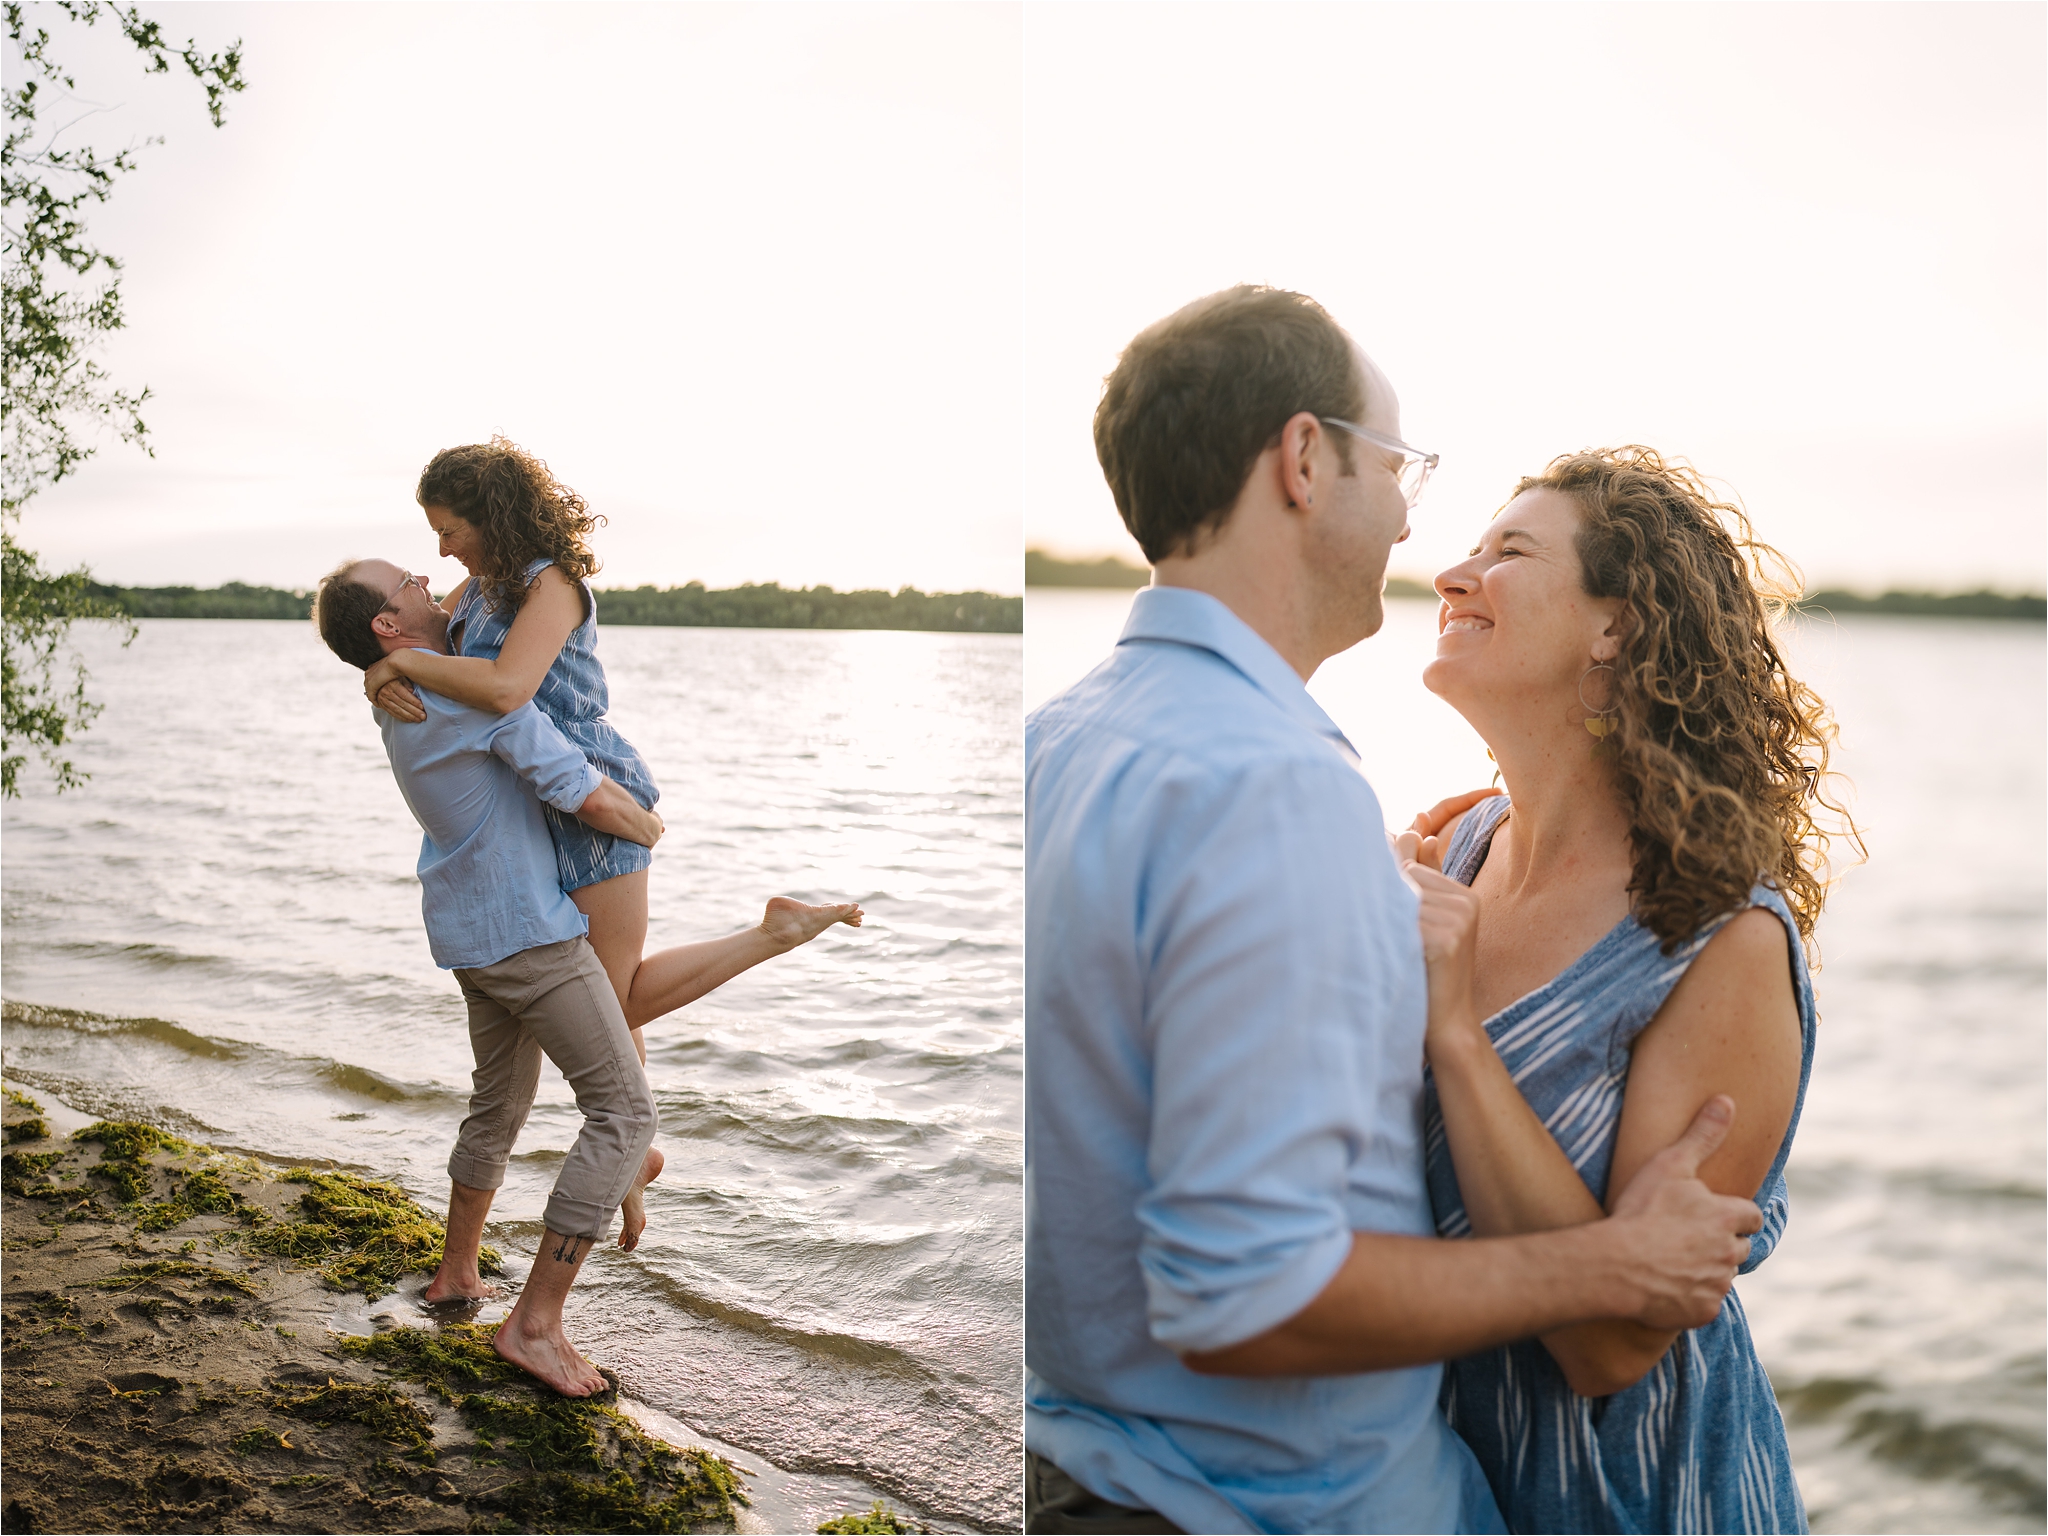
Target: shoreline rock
{"type": "Point", "coordinates": [169, 1364]}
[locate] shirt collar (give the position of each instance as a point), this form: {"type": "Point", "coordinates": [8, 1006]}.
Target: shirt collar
{"type": "Point", "coordinates": [1184, 616]}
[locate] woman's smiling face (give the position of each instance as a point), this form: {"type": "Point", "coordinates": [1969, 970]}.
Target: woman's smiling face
{"type": "Point", "coordinates": [459, 538]}
{"type": "Point", "coordinates": [1515, 621]}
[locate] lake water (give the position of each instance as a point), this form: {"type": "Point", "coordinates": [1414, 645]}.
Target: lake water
{"type": "Point", "coordinates": [1902, 1317]}
{"type": "Point", "coordinates": [831, 1277]}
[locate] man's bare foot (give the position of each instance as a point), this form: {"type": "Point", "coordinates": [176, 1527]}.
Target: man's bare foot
{"type": "Point", "coordinates": [790, 923]}
{"type": "Point", "coordinates": [450, 1291]}
{"type": "Point", "coordinates": [633, 1210]}
{"type": "Point", "coordinates": [549, 1355]}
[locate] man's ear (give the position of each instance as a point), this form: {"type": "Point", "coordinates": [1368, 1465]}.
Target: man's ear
{"type": "Point", "coordinates": [385, 626]}
{"type": "Point", "coordinates": [1298, 442]}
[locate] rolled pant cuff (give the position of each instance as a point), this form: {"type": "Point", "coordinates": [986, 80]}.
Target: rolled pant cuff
{"type": "Point", "coordinates": [474, 1174]}
{"type": "Point", "coordinates": [579, 1218]}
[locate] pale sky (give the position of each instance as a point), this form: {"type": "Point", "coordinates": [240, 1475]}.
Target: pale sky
{"type": "Point", "coordinates": [747, 277]}
{"type": "Point", "coordinates": [826, 293]}
{"type": "Point", "coordinates": [1800, 245]}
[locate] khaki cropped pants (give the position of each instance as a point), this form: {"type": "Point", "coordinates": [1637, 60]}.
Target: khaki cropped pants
{"type": "Point", "coordinates": [554, 1000]}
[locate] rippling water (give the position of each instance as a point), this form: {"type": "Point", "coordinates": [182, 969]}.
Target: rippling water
{"type": "Point", "coordinates": [1902, 1317]}
{"type": "Point", "coordinates": [222, 932]}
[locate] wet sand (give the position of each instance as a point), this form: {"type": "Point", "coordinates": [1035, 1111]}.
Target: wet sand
{"type": "Point", "coordinates": [164, 1373]}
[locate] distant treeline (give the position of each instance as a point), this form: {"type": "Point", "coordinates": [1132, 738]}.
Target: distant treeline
{"type": "Point", "coordinates": [772, 606]}
{"type": "Point", "coordinates": [1043, 570]}
{"type": "Point", "coordinates": [766, 606]}
{"type": "Point", "coordinates": [1945, 605]}
{"type": "Point", "coordinates": [236, 600]}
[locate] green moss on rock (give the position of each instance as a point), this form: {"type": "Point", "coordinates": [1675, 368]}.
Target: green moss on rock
{"type": "Point", "coordinates": [22, 1173]}
{"type": "Point", "coordinates": [204, 1193]}
{"type": "Point", "coordinates": [384, 1411]}
{"type": "Point", "coordinates": [877, 1520]}
{"type": "Point", "coordinates": [363, 1234]}
{"type": "Point", "coordinates": [125, 1148]}
{"type": "Point", "coordinates": [591, 1468]}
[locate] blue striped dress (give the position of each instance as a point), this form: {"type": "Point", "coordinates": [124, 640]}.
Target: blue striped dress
{"type": "Point", "coordinates": [1698, 1444]}
{"type": "Point", "coordinates": [574, 696]}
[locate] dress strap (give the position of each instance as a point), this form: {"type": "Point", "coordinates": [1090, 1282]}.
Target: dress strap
{"type": "Point", "coordinates": [1474, 836]}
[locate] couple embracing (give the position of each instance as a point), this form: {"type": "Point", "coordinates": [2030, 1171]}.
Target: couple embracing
{"type": "Point", "coordinates": [538, 820]}
{"type": "Point", "coordinates": [1401, 1188]}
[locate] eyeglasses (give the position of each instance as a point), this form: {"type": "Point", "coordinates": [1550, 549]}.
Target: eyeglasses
{"type": "Point", "coordinates": [409, 581]}
{"type": "Point", "coordinates": [1413, 474]}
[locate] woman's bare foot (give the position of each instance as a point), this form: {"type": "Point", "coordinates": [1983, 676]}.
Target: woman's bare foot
{"type": "Point", "coordinates": [633, 1210]}
{"type": "Point", "coordinates": [790, 923]}
{"type": "Point", "coordinates": [547, 1354]}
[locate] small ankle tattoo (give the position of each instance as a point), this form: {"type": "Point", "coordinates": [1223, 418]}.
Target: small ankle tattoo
{"type": "Point", "coordinates": [574, 1245]}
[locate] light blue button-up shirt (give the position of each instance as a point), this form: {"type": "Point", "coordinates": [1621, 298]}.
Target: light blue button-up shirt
{"type": "Point", "coordinates": [488, 886]}
{"type": "Point", "coordinates": [1224, 1011]}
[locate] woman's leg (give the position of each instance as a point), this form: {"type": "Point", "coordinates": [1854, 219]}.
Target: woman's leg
{"type": "Point", "coordinates": [670, 978]}
{"type": "Point", "coordinates": [617, 909]}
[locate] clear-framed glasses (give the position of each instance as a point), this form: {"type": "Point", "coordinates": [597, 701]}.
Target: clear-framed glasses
{"type": "Point", "coordinates": [1413, 474]}
{"type": "Point", "coordinates": [410, 580]}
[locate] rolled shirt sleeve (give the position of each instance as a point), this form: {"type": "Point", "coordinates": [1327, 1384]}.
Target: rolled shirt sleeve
{"type": "Point", "coordinates": [1270, 1007]}
{"type": "Point", "coordinates": [555, 767]}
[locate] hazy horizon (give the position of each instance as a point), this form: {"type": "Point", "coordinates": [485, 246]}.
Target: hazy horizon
{"type": "Point", "coordinates": [702, 259]}
{"type": "Point", "coordinates": [1800, 246]}
{"type": "Point", "coordinates": [825, 293]}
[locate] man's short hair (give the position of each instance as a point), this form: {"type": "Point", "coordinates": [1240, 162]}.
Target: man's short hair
{"type": "Point", "coordinates": [342, 609]}
{"type": "Point", "coordinates": [1196, 398]}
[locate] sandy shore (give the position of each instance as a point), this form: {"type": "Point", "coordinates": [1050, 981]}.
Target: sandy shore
{"type": "Point", "coordinates": [172, 1364]}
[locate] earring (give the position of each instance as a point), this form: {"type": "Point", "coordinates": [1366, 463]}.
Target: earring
{"type": "Point", "coordinates": [1599, 722]}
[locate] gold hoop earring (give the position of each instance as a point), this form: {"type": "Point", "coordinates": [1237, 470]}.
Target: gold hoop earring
{"type": "Point", "coordinates": [1599, 722]}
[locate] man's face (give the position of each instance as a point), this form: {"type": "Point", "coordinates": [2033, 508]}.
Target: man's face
{"type": "Point", "coordinates": [1367, 517]}
{"type": "Point", "coordinates": [411, 617]}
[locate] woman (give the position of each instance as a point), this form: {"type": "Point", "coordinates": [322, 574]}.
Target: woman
{"type": "Point", "coordinates": [1612, 943]}
{"type": "Point", "coordinates": [523, 626]}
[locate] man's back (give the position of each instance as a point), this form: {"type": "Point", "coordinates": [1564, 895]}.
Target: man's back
{"type": "Point", "coordinates": [1225, 1008]}
{"type": "Point", "coordinates": [489, 886]}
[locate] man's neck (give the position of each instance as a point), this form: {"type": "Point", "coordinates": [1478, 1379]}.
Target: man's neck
{"type": "Point", "coordinates": [1251, 566]}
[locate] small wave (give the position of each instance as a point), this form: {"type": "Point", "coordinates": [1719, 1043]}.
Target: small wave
{"type": "Point", "coordinates": [105, 1102]}
{"type": "Point", "coordinates": [2003, 1462]}
{"type": "Point", "coordinates": [831, 1136]}
{"type": "Point", "coordinates": [1828, 1180]}
{"type": "Point", "coordinates": [826, 1344]}
{"type": "Point", "coordinates": [163, 1031]}
{"type": "Point", "coordinates": [374, 1085]}
{"type": "Point", "coordinates": [159, 957]}
{"type": "Point", "coordinates": [362, 1082]}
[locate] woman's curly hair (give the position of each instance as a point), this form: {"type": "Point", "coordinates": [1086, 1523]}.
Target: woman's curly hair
{"type": "Point", "coordinates": [523, 512]}
{"type": "Point", "coordinates": [1721, 754]}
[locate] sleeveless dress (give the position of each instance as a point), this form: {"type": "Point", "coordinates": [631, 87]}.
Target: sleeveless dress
{"type": "Point", "coordinates": [573, 695]}
{"type": "Point", "coordinates": [1698, 1444]}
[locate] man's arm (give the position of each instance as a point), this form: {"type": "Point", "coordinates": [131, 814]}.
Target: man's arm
{"type": "Point", "coordinates": [561, 776]}
{"type": "Point", "coordinates": [1664, 1259]}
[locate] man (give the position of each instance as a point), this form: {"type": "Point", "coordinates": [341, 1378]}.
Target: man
{"type": "Point", "coordinates": [1235, 1298]}
{"type": "Point", "coordinates": [496, 916]}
